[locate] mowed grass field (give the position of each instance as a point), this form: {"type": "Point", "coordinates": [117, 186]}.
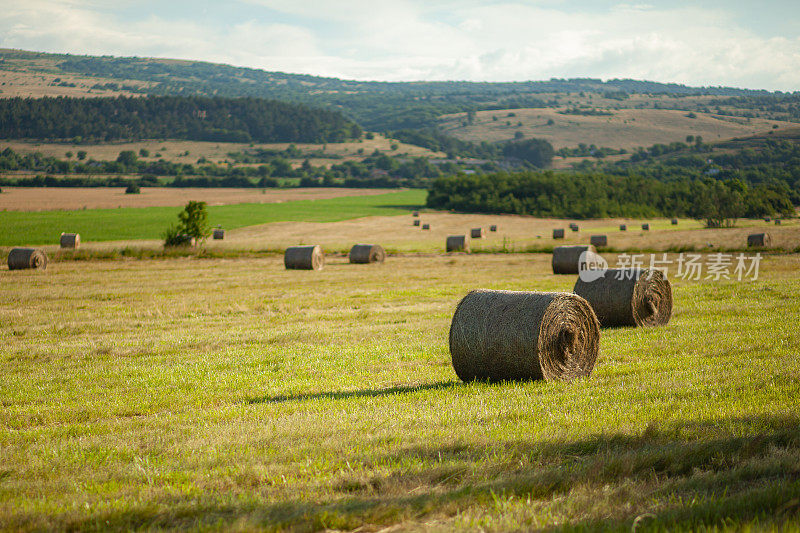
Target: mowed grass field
{"type": "Point", "coordinates": [235, 395]}
{"type": "Point", "coordinates": [44, 227]}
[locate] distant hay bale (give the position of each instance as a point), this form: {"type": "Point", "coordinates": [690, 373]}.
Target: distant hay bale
{"type": "Point", "coordinates": [558, 233]}
{"type": "Point", "coordinates": [646, 227]}
{"type": "Point", "coordinates": [426, 226]}
{"type": "Point", "coordinates": [767, 219]}
{"type": "Point", "coordinates": [623, 227]}
{"type": "Point", "coordinates": [415, 214]}
{"type": "Point", "coordinates": [219, 234]}
{"type": "Point", "coordinates": [304, 258]}
{"type": "Point", "coordinates": [598, 240]}
{"type": "Point", "coordinates": [760, 240]}
{"type": "Point", "coordinates": [493, 227]}
{"type": "Point", "coordinates": [476, 233]}
{"type": "Point", "coordinates": [674, 221]}
{"type": "Point", "coordinates": [573, 227]}
{"type": "Point", "coordinates": [70, 240]}
{"type": "Point", "coordinates": [566, 258]}
{"type": "Point", "coordinates": [416, 222]}
{"type": "Point", "coordinates": [509, 335]}
{"type": "Point", "coordinates": [629, 297]}
{"type": "Point", "coordinates": [777, 222]}
{"type": "Point", "coordinates": [457, 243]}
{"type": "Point", "coordinates": [25, 258]}
{"type": "Point", "coordinates": [367, 253]}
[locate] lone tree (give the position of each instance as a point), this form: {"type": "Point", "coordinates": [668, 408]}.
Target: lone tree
{"type": "Point", "coordinates": [192, 223]}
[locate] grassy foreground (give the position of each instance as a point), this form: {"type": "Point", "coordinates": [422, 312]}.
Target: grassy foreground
{"type": "Point", "coordinates": [232, 394]}
{"type": "Point", "coordinates": [44, 227]}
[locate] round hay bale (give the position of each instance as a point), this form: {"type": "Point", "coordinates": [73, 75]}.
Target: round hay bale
{"type": "Point", "coordinates": [70, 240]}
{"type": "Point", "coordinates": [674, 221]}
{"type": "Point", "coordinates": [457, 243]}
{"type": "Point", "coordinates": [476, 233]}
{"type": "Point", "coordinates": [493, 227]}
{"type": "Point", "coordinates": [623, 227]}
{"type": "Point", "coordinates": [426, 226]}
{"type": "Point", "coordinates": [598, 240]}
{"type": "Point", "coordinates": [646, 227]}
{"type": "Point", "coordinates": [629, 297]}
{"type": "Point", "coordinates": [416, 222]}
{"type": "Point", "coordinates": [566, 258]}
{"type": "Point", "coordinates": [25, 258]}
{"type": "Point", "coordinates": [558, 233]}
{"type": "Point", "coordinates": [367, 253]}
{"type": "Point", "coordinates": [415, 214]}
{"type": "Point", "coordinates": [573, 227]}
{"type": "Point", "coordinates": [767, 219]}
{"type": "Point", "coordinates": [219, 234]}
{"type": "Point", "coordinates": [510, 335]}
{"type": "Point", "coordinates": [777, 222]}
{"type": "Point", "coordinates": [304, 258]}
{"type": "Point", "coordinates": [760, 240]}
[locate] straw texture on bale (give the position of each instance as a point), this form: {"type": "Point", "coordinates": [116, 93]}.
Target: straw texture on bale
{"type": "Point", "coordinates": [476, 233]}
{"type": "Point", "coordinates": [304, 258]}
{"type": "Point", "coordinates": [415, 214]}
{"type": "Point", "coordinates": [623, 227]}
{"type": "Point", "coordinates": [493, 227]}
{"type": "Point", "coordinates": [598, 240]}
{"type": "Point", "coordinates": [629, 297]}
{"type": "Point", "coordinates": [426, 226]}
{"type": "Point", "coordinates": [367, 253]}
{"type": "Point", "coordinates": [566, 258]}
{"type": "Point", "coordinates": [457, 243]}
{"type": "Point", "coordinates": [573, 227]}
{"type": "Point", "coordinates": [646, 227]}
{"type": "Point", "coordinates": [674, 221]}
{"type": "Point", "coordinates": [416, 222]}
{"type": "Point", "coordinates": [219, 234]}
{"type": "Point", "coordinates": [558, 233]}
{"type": "Point", "coordinates": [70, 240]}
{"type": "Point", "coordinates": [509, 335]}
{"type": "Point", "coordinates": [24, 258]}
{"type": "Point", "coordinates": [759, 239]}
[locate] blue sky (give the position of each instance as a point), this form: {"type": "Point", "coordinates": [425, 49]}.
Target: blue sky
{"type": "Point", "coordinates": [742, 44]}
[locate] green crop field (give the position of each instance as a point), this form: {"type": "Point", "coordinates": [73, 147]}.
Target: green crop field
{"type": "Point", "coordinates": [44, 227]}
{"type": "Point", "coordinates": [235, 395]}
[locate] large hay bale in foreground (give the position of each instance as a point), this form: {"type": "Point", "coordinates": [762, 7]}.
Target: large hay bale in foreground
{"type": "Point", "coordinates": [759, 240]}
{"type": "Point", "coordinates": [457, 243]}
{"type": "Point", "coordinates": [25, 258]}
{"type": "Point", "coordinates": [426, 226]}
{"type": "Point", "coordinates": [629, 297]}
{"type": "Point", "coordinates": [304, 258]}
{"type": "Point", "coordinates": [367, 253]}
{"type": "Point", "coordinates": [623, 227]}
{"type": "Point", "coordinates": [509, 335]}
{"type": "Point", "coordinates": [573, 227]}
{"type": "Point", "coordinates": [416, 222]}
{"type": "Point", "coordinates": [219, 234]}
{"type": "Point", "coordinates": [566, 258]}
{"type": "Point", "coordinates": [493, 227]}
{"type": "Point", "coordinates": [646, 227]}
{"type": "Point", "coordinates": [558, 233]}
{"type": "Point", "coordinates": [70, 240]}
{"type": "Point", "coordinates": [476, 233]}
{"type": "Point", "coordinates": [598, 240]}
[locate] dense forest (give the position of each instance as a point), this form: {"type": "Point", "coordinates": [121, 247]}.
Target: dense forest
{"type": "Point", "coordinates": [170, 117]}
{"type": "Point", "coordinates": [548, 194]}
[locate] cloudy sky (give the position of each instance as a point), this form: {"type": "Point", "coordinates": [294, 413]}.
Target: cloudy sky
{"type": "Point", "coordinates": [716, 42]}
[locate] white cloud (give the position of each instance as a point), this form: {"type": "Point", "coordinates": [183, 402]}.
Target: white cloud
{"type": "Point", "coordinates": [412, 39]}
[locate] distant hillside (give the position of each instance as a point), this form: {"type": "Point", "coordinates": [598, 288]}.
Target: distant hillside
{"type": "Point", "coordinates": [171, 117]}
{"type": "Point", "coordinates": [379, 106]}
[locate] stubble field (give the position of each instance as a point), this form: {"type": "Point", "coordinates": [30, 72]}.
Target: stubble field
{"type": "Point", "coordinates": [235, 395]}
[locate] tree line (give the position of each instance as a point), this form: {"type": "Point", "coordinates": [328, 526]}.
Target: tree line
{"type": "Point", "coordinates": [171, 117]}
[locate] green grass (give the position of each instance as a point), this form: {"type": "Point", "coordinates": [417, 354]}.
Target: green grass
{"type": "Point", "coordinates": [44, 227]}
{"type": "Point", "coordinates": [230, 394]}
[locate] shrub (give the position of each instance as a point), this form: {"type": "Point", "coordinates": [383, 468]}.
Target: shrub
{"type": "Point", "coordinates": [132, 188]}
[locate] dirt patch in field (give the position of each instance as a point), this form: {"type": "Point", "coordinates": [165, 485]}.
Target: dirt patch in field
{"type": "Point", "coordinates": [47, 199]}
